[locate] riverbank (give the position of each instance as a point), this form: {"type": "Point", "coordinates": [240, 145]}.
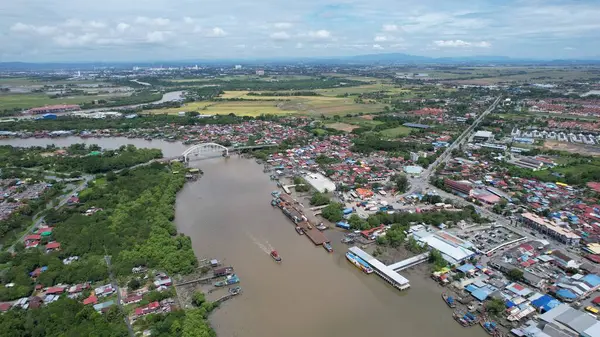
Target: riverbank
{"type": "Point", "coordinates": [228, 215]}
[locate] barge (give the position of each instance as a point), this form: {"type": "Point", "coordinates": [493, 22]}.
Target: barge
{"type": "Point", "coordinates": [359, 263]}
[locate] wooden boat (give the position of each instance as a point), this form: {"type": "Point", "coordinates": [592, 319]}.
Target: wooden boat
{"type": "Point", "coordinates": [449, 300]}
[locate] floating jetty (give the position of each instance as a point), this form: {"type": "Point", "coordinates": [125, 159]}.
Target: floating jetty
{"type": "Point", "coordinates": [293, 211]}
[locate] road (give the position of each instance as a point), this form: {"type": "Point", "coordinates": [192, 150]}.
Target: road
{"type": "Point", "coordinates": [115, 285]}
{"type": "Point", "coordinates": [422, 182]}
{"type": "Point", "coordinates": [38, 220]}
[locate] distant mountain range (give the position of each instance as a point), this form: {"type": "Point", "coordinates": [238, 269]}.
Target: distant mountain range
{"type": "Point", "coordinates": [380, 59]}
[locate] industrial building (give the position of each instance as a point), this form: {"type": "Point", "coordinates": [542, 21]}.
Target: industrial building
{"type": "Point", "coordinates": [53, 109]}
{"type": "Point", "coordinates": [483, 136]}
{"type": "Point", "coordinates": [459, 187]}
{"type": "Point", "coordinates": [453, 249]}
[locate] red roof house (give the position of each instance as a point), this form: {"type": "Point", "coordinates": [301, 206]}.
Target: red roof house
{"type": "Point", "coordinates": [55, 291]}
{"type": "Point", "coordinates": [90, 300]}
{"type": "Point", "coordinates": [53, 246]}
{"type": "Point", "coordinates": [4, 307]}
{"type": "Point", "coordinates": [33, 237]}
{"type": "Point", "coordinates": [150, 308]}
{"type": "Point", "coordinates": [132, 299]}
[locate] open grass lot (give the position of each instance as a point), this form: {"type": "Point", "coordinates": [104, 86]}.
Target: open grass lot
{"type": "Point", "coordinates": [22, 81]}
{"type": "Point", "coordinates": [589, 150]}
{"type": "Point", "coordinates": [396, 132]}
{"type": "Point", "coordinates": [241, 108]}
{"type": "Point", "coordinates": [361, 89]}
{"type": "Point", "coordinates": [25, 101]}
{"type": "Point", "coordinates": [342, 126]}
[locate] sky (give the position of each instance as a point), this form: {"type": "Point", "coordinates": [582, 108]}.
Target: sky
{"type": "Point", "coordinates": [152, 30]}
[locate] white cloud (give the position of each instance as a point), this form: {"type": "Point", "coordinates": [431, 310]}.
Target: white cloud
{"type": "Point", "coordinates": [461, 44]}
{"type": "Point", "coordinates": [97, 24]}
{"type": "Point", "coordinates": [216, 32]}
{"type": "Point", "coordinates": [31, 29]}
{"type": "Point", "coordinates": [152, 21]}
{"type": "Point", "coordinates": [110, 41]}
{"type": "Point", "coordinates": [380, 38]}
{"type": "Point", "coordinates": [188, 20]}
{"type": "Point", "coordinates": [72, 40]}
{"type": "Point", "coordinates": [378, 47]}
{"type": "Point", "coordinates": [156, 36]}
{"type": "Point", "coordinates": [283, 25]}
{"type": "Point", "coordinates": [280, 36]}
{"type": "Point", "coordinates": [569, 48]}
{"type": "Point", "coordinates": [241, 46]}
{"type": "Point", "coordinates": [321, 34]}
{"type": "Point", "coordinates": [299, 45]}
{"type": "Point", "coordinates": [390, 28]}
{"type": "Point", "coordinates": [121, 27]}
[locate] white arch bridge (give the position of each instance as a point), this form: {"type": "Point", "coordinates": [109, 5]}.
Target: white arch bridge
{"type": "Point", "coordinates": [206, 150]}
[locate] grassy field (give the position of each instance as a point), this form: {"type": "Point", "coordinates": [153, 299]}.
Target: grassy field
{"type": "Point", "coordinates": [21, 81]}
{"type": "Point", "coordinates": [256, 105]}
{"type": "Point", "coordinates": [24, 101]}
{"type": "Point", "coordinates": [241, 108]}
{"type": "Point", "coordinates": [396, 132]}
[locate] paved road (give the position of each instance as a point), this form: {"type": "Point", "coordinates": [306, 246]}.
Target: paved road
{"type": "Point", "coordinates": [115, 285]}
{"type": "Point", "coordinates": [422, 182]}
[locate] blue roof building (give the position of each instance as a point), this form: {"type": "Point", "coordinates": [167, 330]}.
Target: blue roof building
{"type": "Point", "coordinates": [592, 279]}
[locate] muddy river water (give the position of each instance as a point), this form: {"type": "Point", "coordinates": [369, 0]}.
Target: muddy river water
{"type": "Point", "coordinates": [312, 293]}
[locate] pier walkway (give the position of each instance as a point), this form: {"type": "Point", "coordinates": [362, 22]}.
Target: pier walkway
{"type": "Point", "coordinates": [410, 262]}
{"type": "Point", "coordinates": [385, 272]}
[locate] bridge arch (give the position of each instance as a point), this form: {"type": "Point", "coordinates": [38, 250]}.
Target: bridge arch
{"type": "Point", "coordinates": [205, 148]}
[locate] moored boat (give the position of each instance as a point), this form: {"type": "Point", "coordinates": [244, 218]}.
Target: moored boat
{"type": "Point", "coordinates": [489, 327]}
{"type": "Point", "coordinates": [347, 240]}
{"type": "Point", "coordinates": [299, 230]}
{"type": "Point", "coordinates": [449, 300]}
{"type": "Point", "coordinates": [273, 202]}
{"type": "Point", "coordinates": [229, 280]}
{"type": "Point", "coordinates": [327, 247]}
{"type": "Point", "coordinates": [235, 290]}
{"type": "Point", "coordinates": [275, 256]}
{"type": "Point", "coordinates": [358, 263]}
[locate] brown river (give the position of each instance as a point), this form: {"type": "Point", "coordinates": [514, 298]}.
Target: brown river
{"type": "Point", "coordinates": [312, 293]}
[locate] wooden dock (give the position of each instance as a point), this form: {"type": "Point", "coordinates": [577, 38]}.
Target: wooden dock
{"type": "Point", "coordinates": [315, 235]}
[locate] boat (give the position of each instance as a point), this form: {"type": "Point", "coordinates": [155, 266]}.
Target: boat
{"type": "Point", "coordinates": [276, 194]}
{"type": "Point", "coordinates": [229, 280]}
{"type": "Point", "coordinates": [273, 202]}
{"type": "Point", "coordinates": [321, 227]}
{"type": "Point", "coordinates": [347, 240]}
{"type": "Point", "coordinates": [235, 291]}
{"type": "Point", "coordinates": [299, 230]}
{"type": "Point", "coordinates": [460, 318]}
{"type": "Point", "coordinates": [275, 256]}
{"type": "Point", "coordinates": [327, 247]}
{"type": "Point", "coordinates": [449, 300]}
{"type": "Point", "coordinates": [359, 263]}
{"type": "Point", "coordinates": [490, 327]}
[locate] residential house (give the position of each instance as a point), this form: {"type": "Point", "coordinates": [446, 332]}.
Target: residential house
{"type": "Point", "coordinates": [148, 309]}
{"type": "Point", "coordinates": [105, 290]}
{"type": "Point", "coordinates": [132, 299]}
{"type": "Point", "coordinates": [52, 246]}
